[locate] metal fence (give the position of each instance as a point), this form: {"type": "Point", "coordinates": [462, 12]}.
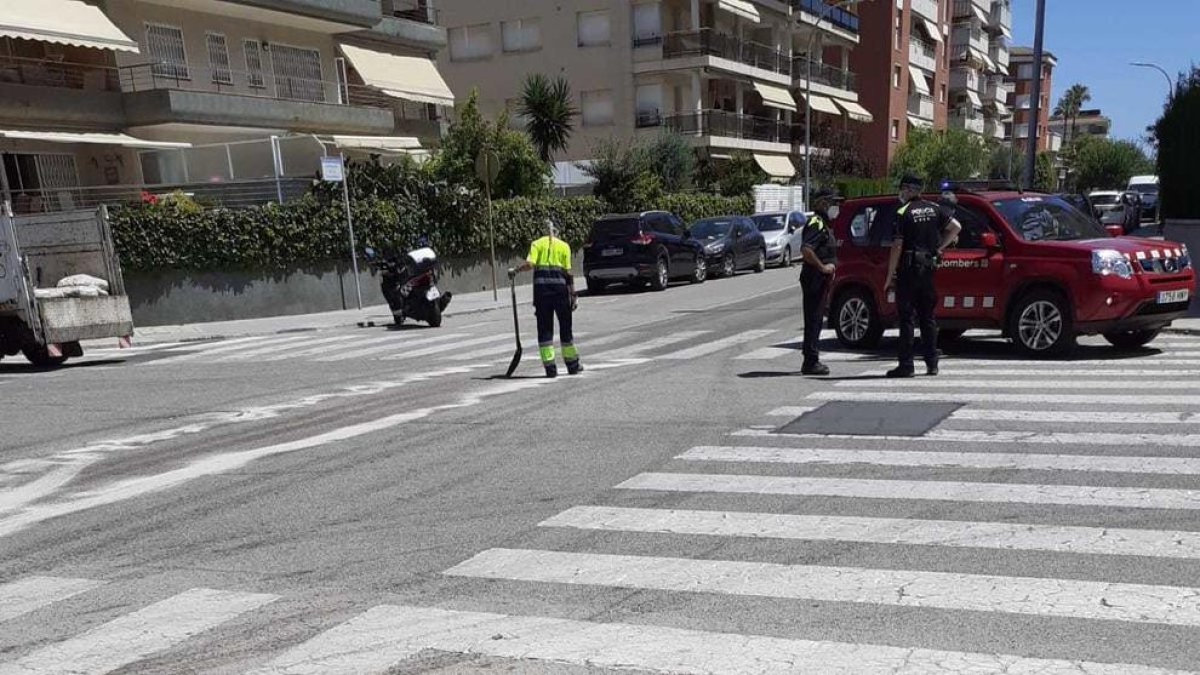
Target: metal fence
{"type": "Point", "coordinates": [231, 194]}
{"type": "Point", "coordinates": [824, 73]}
{"type": "Point", "coordinates": [709, 42]}
{"type": "Point", "coordinates": [728, 125]}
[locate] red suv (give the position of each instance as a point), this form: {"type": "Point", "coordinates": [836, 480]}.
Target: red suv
{"type": "Point", "coordinates": [1030, 265]}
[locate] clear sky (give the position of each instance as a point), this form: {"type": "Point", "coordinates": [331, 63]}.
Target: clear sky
{"type": "Point", "coordinates": [1095, 40]}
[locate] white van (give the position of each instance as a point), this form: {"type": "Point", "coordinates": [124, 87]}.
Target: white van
{"type": "Point", "coordinates": [1147, 187]}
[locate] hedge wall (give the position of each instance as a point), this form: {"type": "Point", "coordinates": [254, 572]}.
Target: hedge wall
{"type": "Point", "coordinates": [179, 234]}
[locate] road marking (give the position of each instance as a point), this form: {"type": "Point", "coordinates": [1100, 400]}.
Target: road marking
{"type": "Point", "coordinates": [772, 352]}
{"type": "Point", "coordinates": [1090, 372]}
{"type": "Point", "coordinates": [1048, 366]}
{"type": "Point", "coordinates": [951, 491]}
{"type": "Point", "coordinates": [1041, 416]}
{"type": "Point", "coordinates": [909, 532]}
{"type": "Point", "coordinates": [137, 635]}
{"type": "Point", "coordinates": [935, 383]}
{"type": "Point", "coordinates": [357, 343]}
{"type": "Point", "coordinates": [283, 351]}
{"type": "Point", "coordinates": [717, 345]}
{"type": "Point", "coordinates": [224, 347]}
{"type": "Point", "coordinates": [399, 343]}
{"type": "Point", "coordinates": [31, 593]}
{"type": "Point", "coordinates": [583, 342]}
{"type": "Point", "coordinates": [965, 436]}
{"type": "Point", "coordinates": [386, 635]}
{"type": "Point", "coordinates": [649, 345]}
{"type": "Point", "coordinates": [1125, 400]}
{"type": "Point", "coordinates": [442, 348]}
{"type": "Point", "coordinates": [1134, 603]}
{"type": "Point", "coordinates": [971, 460]}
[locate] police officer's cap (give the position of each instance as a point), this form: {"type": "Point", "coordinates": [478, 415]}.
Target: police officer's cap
{"type": "Point", "coordinates": [909, 180]}
{"type": "Point", "coordinates": [828, 194]}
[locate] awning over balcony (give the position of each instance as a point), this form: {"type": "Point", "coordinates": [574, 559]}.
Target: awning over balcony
{"type": "Point", "coordinates": [412, 78]}
{"type": "Point", "coordinates": [384, 145]}
{"type": "Point", "coordinates": [920, 123]}
{"type": "Point", "coordinates": [855, 111]}
{"type": "Point", "coordinates": [918, 80]}
{"type": "Point", "coordinates": [123, 140]}
{"type": "Point", "coordinates": [64, 22]}
{"type": "Point", "coordinates": [742, 8]}
{"type": "Point", "coordinates": [1006, 32]}
{"type": "Point", "coordinates": [980, 13]}
{"type": "Point", "coordinates": [776, 166]}
{"type": "Point", "coordinates": [973, 97]}
{"type": "Point", "coordinates": [988, 63]}
{"type": "Point", "coordinates": [822, 104]}
{"type": "Point", "coordinates": [776, 97]}
{"type": "Point", "coordinates": [931, 30]}
{"type": "Point", "coordinates": [1000, 108]}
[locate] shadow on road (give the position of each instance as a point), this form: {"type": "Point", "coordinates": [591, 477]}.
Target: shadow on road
{"type": "Point", "coordinates": [29, 368]}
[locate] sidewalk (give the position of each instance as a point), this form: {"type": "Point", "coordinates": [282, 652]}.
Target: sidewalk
{"type": "Point", "coordinates": [1188, 326]}
{"type": "Point", "coordinates": [462, 305]}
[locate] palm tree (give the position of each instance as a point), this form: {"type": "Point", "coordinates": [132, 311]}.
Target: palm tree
{"type": "Point", "coordinates": [1069, 106]}
{"type": "Point", "coordinates": [546, 106]}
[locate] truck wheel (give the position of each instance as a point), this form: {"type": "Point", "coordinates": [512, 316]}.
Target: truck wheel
{"type": "Point", "coordinates": [856, 320]}
{"type": "Point", "coordinates": [39, 356]}
{"type": "Point", "coordinates": [662, 275]}
{"type": "Point", "coordinates": [1041, 325]}
{"type": "Point", "coordinates": [1131, 339]}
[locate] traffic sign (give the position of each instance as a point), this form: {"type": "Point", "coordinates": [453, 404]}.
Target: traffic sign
{"type": "Point", "coordinates": [332, 170]}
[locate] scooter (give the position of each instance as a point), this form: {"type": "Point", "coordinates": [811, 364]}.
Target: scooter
{"type": "Point", "coordinates": [409, 284]}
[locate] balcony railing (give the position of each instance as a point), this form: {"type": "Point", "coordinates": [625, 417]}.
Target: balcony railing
{"type": "Point", "coordinates": [1001, 15]}
{"type": "Point", "coordinates": [927, 9]}
{"type": "Point", "coordinates": [648, 118]}
{"type": "Point", "coordinates": [977, 39]}
{"type": "Point", "coordinates": [999, 53]}
{"type": "Point", "coordinates": [824, 73]}
{"type": "Point", "coordinates": [970, 121]}
{"type": "Point", "coordinates": [63, 75]}
{"type": "Point", "coordinates": [708, 42]}
{"type": "Point", "coordinates": [962, 8]}
{"type": "Point", "coordinates": [920, 105]}
{"type": "Point", "coordinates": [728, 125]}
{"type": "Point", "coordinates": [412, 10]}
{"type": "Point", "coordinates": [993, 127]}
{"type": "Point", "coordinates": [838, 17]}
{"type": "Point", "coordinates": [922, 54]}
{"type": "Point", "coordinates": [964, 78]}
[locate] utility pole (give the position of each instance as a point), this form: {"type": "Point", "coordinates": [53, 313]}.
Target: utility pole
{"type": "Point", "coordinates": [1035, 102]}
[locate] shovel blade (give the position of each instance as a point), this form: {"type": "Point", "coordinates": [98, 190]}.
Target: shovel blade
{"type": "Point", "coordinates": [516, 360]}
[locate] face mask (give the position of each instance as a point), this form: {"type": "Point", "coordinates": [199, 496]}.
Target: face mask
{"type": "Point", "coordinates": [833, 211]}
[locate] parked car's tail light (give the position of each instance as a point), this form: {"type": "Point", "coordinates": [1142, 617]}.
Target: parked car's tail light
{"type": "Point", "coordinates": [644, 238]}
{"type": "Point", "coordinates": [1107, 261]}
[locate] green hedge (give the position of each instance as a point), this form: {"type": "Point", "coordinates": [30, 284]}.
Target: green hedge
{"type": "Point", "coordinates": [178, 234]}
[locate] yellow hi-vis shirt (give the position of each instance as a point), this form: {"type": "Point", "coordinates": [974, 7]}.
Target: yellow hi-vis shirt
{"type": "Point", "coordinates": [551, 260]}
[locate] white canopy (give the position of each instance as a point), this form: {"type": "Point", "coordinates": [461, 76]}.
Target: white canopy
{"type": "Point", "coordinates": [64, 22]}
{"type": "Point", "coordinates": [918, 80]}
{"type": "Point", "coordinates": [973, 97]}
{"type": "Point", "coordinates": [822, 104]}
{"type": "Point", "coordinates": [1000, 108]}
{"type": "Point", "coordinates": [918, 122]}
{"type": "Point", "coordinates": [742, 8]}
{"type": "Point", "coordinates": [932, 29]}
{"type": "Point", "coordinates": [412, 78]}
{"type": "Point", "coordinates": [776, 166]}
{"type": "Point", "coordinates": [95, 138]}
{"type": "Point", "coordinates": [391, 145]}
{"type": "Point", "coordinates": [980, 13]}
{"type": "Point", "coordinates": [988, 63]}
{"type": "Point", "coordinates": [855, 111]}
{"type": "Point", "coordinates": [776, 97]}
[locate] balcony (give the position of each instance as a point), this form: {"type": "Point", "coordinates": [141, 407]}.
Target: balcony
{"type": "Point", "coordinates": [964, 78]}
{"type": "Point", "coordinates": [408, 23]}
{"type": "Point", "coordinates": [965, 35]}
{"type": "Point", "coordinates": [56, 93]}
{"type": "Point", "coordinates": [920, 105]}
{"type": "Point", "coordinates": [410, 10]}
{"type": "Point", "coordinates": [362, 13]}
{"type": "Point", "coordinates": [232, 98]}
{"type": "Point", "coordinates": [708, 42]}
{"type": "Point", "coordinates": [998, 51]}
{"type": "Point", "coordinates": [838, 17]}
{"type": "Point", "coordinates": [993, 127]}
{"type": "Point", "coordinates": [927, 9]}
{"type": "Point", "coordinates": [922, 54]}
{"type": "Point", "coordinates": [997, 89]}
{"type": "Point", "coordinates": [967, 120]}
{"type": "Point", "coordinates": [824, 73]}
{"type": "Point", "coordinates": [725, 124]}
{"type": "Point", "coordinates": [966, 9]}
{"type": "Point", "coordinates": [1000, 16]}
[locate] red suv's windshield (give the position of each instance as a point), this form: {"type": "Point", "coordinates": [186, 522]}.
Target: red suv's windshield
{"type": "Point", "coordinates": [1043, 218]}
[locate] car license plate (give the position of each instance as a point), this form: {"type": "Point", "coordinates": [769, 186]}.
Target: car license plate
{"type": "Point", "coordinates": [612, 251]}
{"type": "Point", "coordinates": [1171, 297]}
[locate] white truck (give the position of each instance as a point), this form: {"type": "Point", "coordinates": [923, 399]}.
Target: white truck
{"type": "Point", "coordinates": [60, 284]}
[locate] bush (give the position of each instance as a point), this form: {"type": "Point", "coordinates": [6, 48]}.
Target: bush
{"type": "Point", "coordinates": [522, 173]}
{"type": "Point", "coordinates": [1178, 135]}
{"type": "Point", "coordinates": [1101, 163]}
{"type": "Point", "coordinates": [850, 187]}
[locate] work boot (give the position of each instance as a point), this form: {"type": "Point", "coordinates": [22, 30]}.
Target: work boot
{"type": "Point", "coordinates": [902, 371]}
{"type": "Point", "coordinates": [574, 368]}
{"type": "Point", "coordinates": [931, 368]}
{"type": "Point", "coordinates": [551, 370]}
{"type": "Point", "coordinates": [814, 368]}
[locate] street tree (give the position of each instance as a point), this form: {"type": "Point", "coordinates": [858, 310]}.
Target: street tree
{"type": "Point", "coordinates": [549, 114]}
{"type": "Point", "coordinates": [953, 154]}
{"type": "Point", "coordinates": [1179, 149]}
{"type": "Point", "coordinates": [1100, 163]}
{"type": "Point", "coordinates": [1069, 106]}
{"type": "Point", "coordinates": [522, 172]}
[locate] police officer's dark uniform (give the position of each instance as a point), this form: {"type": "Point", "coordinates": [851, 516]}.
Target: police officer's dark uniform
{"type": "Point", "coordinates": [922, 229]}
{"type": "Point", "coordinates": [819, 253]}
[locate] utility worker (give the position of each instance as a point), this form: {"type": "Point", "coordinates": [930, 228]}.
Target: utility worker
{"type": "Point", "coordinates": [819, 254]}
{"type": "Point", "coordinates": [923, 231]}
{"type": "Point", "coordinates": [553, 295]}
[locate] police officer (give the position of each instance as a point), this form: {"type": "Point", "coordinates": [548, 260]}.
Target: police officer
{"type": "Point", "coordinates": [923, 231]}
{"type": "Point", "coordinates": [819, 254]}
{"type": "Point", "coordinates": [553, 296]}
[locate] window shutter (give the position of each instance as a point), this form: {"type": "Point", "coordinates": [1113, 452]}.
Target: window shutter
{"type": "Point", "coordinates": [218, 58]}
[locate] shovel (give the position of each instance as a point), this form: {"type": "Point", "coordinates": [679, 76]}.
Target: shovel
{"type": "Point", "coordinates": [516, 359]}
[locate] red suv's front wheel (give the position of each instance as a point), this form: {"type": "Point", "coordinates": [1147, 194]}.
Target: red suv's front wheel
{"type": "Point", "coordinates": [856, 320]}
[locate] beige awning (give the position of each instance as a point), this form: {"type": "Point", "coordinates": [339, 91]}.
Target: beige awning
{"type": "Point", "coordinates": [776, 166]}
{"type": "Point", "coordinates": [918, 80]}
{"type": "Point", "coordinates": [1006, 32]}
{"type": "Point", "coordinates": [988, 63]}
{"type": "Point", "coordinates": [412, 78]}
{"type": "Point", "coordinates": [776, 97]}
{"type": "Point", "coordinates": [98, 139]}
{"type": "Point", "coordinates": [980, 13]}
{"type": "Point", "coordinates": [973, 97]}
{"type": "Point", "coordinates": [1000, 108]}
{"type": "Point", "coordinates": [918, 122]}
{"type": "Point", "coordinates": [63, 22]}
{"type": "Point", "coordinates": [822, 104]}
{"type": "Point", "coordinates": [742, 8]}
{"type": "Point", "coordinates": [388, 145]}
{"type": "Point", "coordinates": [932, 29]}
{"type": "Point", "coordinates": [855, 111]}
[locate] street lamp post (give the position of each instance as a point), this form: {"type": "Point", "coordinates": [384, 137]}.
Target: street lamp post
{"type": "Point", "coordinates": [808, 60]}
{"type": "Point", "coordinates": [1170, 95]}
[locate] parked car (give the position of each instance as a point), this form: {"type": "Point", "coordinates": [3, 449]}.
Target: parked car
{"type": "Point", "coordinates": [782, 231]}
{"type": "Point", "coordinates": [1103, 201]}
{"type": "Point", "coordinates": [1027, 264]}
{"type": "Point", "coordinates": [1147, 187]}
{"type": "Point", "coordinates": [1126, 217]}
{"type": "Point", "coordinates": [731, 243]}
{"type": "Point", "coordinates": [648, 248]}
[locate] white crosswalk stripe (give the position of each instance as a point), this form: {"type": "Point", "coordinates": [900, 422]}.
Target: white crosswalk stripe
{"type": "Point", "coordinates": [717, 345]}
{"type": "Point", "coordinates": [443, 348]}
{"type": "Point", "coordinates": [202, 350]}
{"type": "Point", "coordinates": [278, 352]}
{"type": "Point", "coordinates": [1042, 416]}
{"type": "Point", "coordinates": [32, 593]}
{"type": "Point", "coordinates": [976, 383]}
{"type": "Point", "coordinates": [637, 350]}
{"type": "Point", "coordinates": [132, 637]}
{"type": "Point", "coordinates": [1009, 437]}
{"type": "Point", "coordinates": [394, 345]}
{"type": "Point", "coordinates": [1124, 399]}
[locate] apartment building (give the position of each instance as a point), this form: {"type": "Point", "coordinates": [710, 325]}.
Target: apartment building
{"type": "Point", "coordinates": [979, 90]}
{"type": "Point", "coordinates": [903, 72]}
{"type": "Point", "coordinates": [106, 98]}
{"type": "Point", "coordinates": [1021, 76]}
{"type": "Point", "coordinates": [729, 75]}
{"type": "Point", "coordinates": [1089, 123]}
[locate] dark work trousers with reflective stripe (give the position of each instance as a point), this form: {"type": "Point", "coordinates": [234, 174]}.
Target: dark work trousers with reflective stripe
{"type": "Point", "coordinates": [550, 302]}
{"type": "Point", "coordinates": [813, 285]}
{"type": "Point", "coordinates": [916, 300]}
